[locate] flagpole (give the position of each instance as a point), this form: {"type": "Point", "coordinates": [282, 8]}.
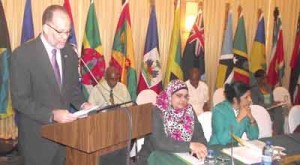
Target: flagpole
{"type": "Point", "coordinates": [152, 3]}
{"type": "Point", "coordinates": [240, 9]}
{"type": "Point", "coordinates": [259, 12]}
{"type": "Point", "coordinates": [276, 14]}
{"type": "Point", "coordinates": [226, 16]}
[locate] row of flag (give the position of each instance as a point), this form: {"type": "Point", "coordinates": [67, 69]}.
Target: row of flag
{"type": "Point", "coordinates": [235, 66]}
{"type": "Point", "coordinates": [233, 62]}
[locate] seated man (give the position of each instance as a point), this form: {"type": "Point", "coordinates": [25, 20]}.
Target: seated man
{"type": "Point", "coordinates": [198, 91]}
{"type": "Point", "coordinates": [109, 91]}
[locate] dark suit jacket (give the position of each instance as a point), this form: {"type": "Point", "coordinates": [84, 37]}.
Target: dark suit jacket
{"type": "Point", "coordinates": [35, 93]}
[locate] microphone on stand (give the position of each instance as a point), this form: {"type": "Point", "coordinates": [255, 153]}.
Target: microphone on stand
{"type": "Point", "coordinates": [93, 77]}
{"type": "Point", "coordinates": [231, 147]}
{"type": "Point", "coordinates": [97, 82]}
{"type": "Point", "coordinates": [109, 107]}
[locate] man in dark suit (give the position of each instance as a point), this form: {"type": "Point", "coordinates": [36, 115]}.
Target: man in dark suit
{"type": "Point", "coordinates": [45, 82]}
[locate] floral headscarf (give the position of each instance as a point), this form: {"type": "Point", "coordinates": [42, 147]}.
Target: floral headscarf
{"type": "Point", "coordinates": [178, 123]}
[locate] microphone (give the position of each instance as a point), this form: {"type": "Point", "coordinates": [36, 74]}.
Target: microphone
{"type": "Point", "coordinates": [231, 147]}
{"type": "Point", "coordinates": [97, 82]}
{"type": "Point", "coordinates": [110, 107]}
{"type": "Point", "coordinates": [94, 79]}
{"type": "Point", "coordinates": [276, 106]}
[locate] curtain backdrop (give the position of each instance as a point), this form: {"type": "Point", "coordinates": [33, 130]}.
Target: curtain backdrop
{"type": "Point", "coordinates": [108, 12]}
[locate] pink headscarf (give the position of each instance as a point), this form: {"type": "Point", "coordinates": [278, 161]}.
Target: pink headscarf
{"type": "Point", "coordinates": [178, 123]}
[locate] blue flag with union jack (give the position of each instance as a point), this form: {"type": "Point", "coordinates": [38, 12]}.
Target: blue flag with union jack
{"type": "Point", "coordinates": [193, 54]}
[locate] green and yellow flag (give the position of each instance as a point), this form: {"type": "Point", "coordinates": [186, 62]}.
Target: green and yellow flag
{"type": "Point", "coordinates": [257, 57]}
{"type": "Point", "coordinates": [92, 63]}
{"type": "Point", "coordinates": [173, 70]}
{"type": "Point", "coordinates": [6, 109]}
{"type": "Point", "coordinates": [123, 53]}
{"type": "Point", "coordinates": [240, 56]}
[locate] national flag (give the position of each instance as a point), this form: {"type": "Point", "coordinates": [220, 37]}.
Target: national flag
{"type": "Point", "coordinates": [151, 75]}
{"type": "Point", "coordinates": [257, 57]}
{"type": "Point", "coordinates": [92, 53]}
{"type": "Point", "coordinates": [173, 70]}
{"type": "Point", "coordinates": [240, 57]}
{"type": "Point", "coordinates": [6, 109]}
{"type": "Point", "coordinates": [276, 66]}
{"type": "Point", "coordinates": [295, 69]}
{"type": "Point", "coordinates": [27, 28]}
{"type": "Point", "coordinates": [193, 54]}
{"type": "Point", "coordinates": [123, 52]}
{"type": "Point", "coordinates": [72, 37]}
{"type": "Point", "coordinates": [225, 68]}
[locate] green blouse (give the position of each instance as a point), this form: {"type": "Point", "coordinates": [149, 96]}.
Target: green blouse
{"type": "Point", "coordinates": [224, 119]}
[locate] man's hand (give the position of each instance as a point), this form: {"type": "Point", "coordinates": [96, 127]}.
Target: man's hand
{"type": "Point", "coordinates": [62, 116]}
{"type": "Point", "coordinates": [86, 105]}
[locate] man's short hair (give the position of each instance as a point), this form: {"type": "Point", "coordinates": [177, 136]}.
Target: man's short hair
{"type": "Point", "coordinates": [48, 12]}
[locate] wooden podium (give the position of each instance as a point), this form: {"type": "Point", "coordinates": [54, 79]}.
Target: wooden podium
{"type": "Point", "coordinates": [88, 138]}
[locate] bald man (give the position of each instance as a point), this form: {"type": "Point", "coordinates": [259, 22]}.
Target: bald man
{"type": "Point", "coordinates": [44, 83]}
{"type": "Point", "coordinates": [198, 92]}
{"type": "Point", "coordinates": [109, 91]}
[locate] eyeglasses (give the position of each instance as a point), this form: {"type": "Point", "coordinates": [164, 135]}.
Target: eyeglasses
{"type": "Point", "coordinates": [60, 32]}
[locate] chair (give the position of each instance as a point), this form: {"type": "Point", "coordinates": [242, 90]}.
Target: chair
{"type": "Point", "coordinates": [205, 120]}
{"type": "Point", "coordinates": [145, 96]}
{"type": "Point", "coordinates": [218, 96]}
{"type": "Point", "coordinates": [294, 118]}
{"type": "Point", "coordinates": [263, 120]}
{"type": "Point", "coordinates": [281, 94]}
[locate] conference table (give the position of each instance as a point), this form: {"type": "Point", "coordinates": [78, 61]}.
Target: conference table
{"type": "Point", "coordinates": [291, 142]}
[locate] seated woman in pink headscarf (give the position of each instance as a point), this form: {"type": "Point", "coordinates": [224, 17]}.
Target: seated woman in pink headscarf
{"type": "Point", "coordinates": [175, 127]}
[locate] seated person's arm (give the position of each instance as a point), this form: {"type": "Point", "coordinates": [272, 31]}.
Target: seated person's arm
{"type": "Point", "coordinates": [219, 128]}
{"type": "Point", "coordinates": [206, 107]}
{"type": "Point", "coordinates": [198, 135]}
{"type": "Point", "coordinates": [160, 140]}
{"type": "Point", "coordinates": [252, 131]}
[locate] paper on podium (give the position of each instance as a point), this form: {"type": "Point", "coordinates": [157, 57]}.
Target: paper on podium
{"type": "Point", "coordinates": [189, 158]}
{"type": "Point", "coordinates": [84, 112]}
{"type": "Point", "coordinates": [249, 153]}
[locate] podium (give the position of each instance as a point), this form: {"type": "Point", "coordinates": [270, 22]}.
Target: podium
{"type": "Point", "coordinates": [88, 138]}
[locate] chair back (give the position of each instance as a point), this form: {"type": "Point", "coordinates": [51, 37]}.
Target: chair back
{"type": "Point", "coordinates": [294, 118]}
{"type": "Point", "coordinates": [218, 96]}
{"type": "Point", "coordinates": [281, 94]}
{"type": "Point", "coordinates": [205, 120]}
{"type": "Point", "coordinates": [263, 120]}
{"type": "Point", "coordinates": [146, 96]}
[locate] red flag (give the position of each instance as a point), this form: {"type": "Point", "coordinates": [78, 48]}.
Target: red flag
{"type": "Point", "coordinates": [276, 66]}
{"type": "Point", "coordinates": [295, 68]}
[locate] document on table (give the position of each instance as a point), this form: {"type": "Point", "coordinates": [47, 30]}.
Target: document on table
{"type": "Point", "coordinates": [189, 158]}
{"type": "Point", "coordinates": [249, 153]}
{"type": "Point", "coordinates": [84, 112]}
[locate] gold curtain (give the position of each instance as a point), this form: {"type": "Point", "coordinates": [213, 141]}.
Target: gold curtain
{"type": "Point", "coordinates": [108, 12]}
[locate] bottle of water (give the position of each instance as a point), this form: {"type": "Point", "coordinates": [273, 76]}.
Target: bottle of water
{"type": "Point", "coordinates": [267, 154]}
{"type": "Point", "coordinates": [210, 158]}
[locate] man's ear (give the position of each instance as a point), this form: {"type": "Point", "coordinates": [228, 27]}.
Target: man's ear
{"type": "Point", "coordinates": [45, 28]}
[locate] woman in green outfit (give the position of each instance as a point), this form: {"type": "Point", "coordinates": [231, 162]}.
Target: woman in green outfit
{"type": "Point", "coordinates": [233, 116]}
